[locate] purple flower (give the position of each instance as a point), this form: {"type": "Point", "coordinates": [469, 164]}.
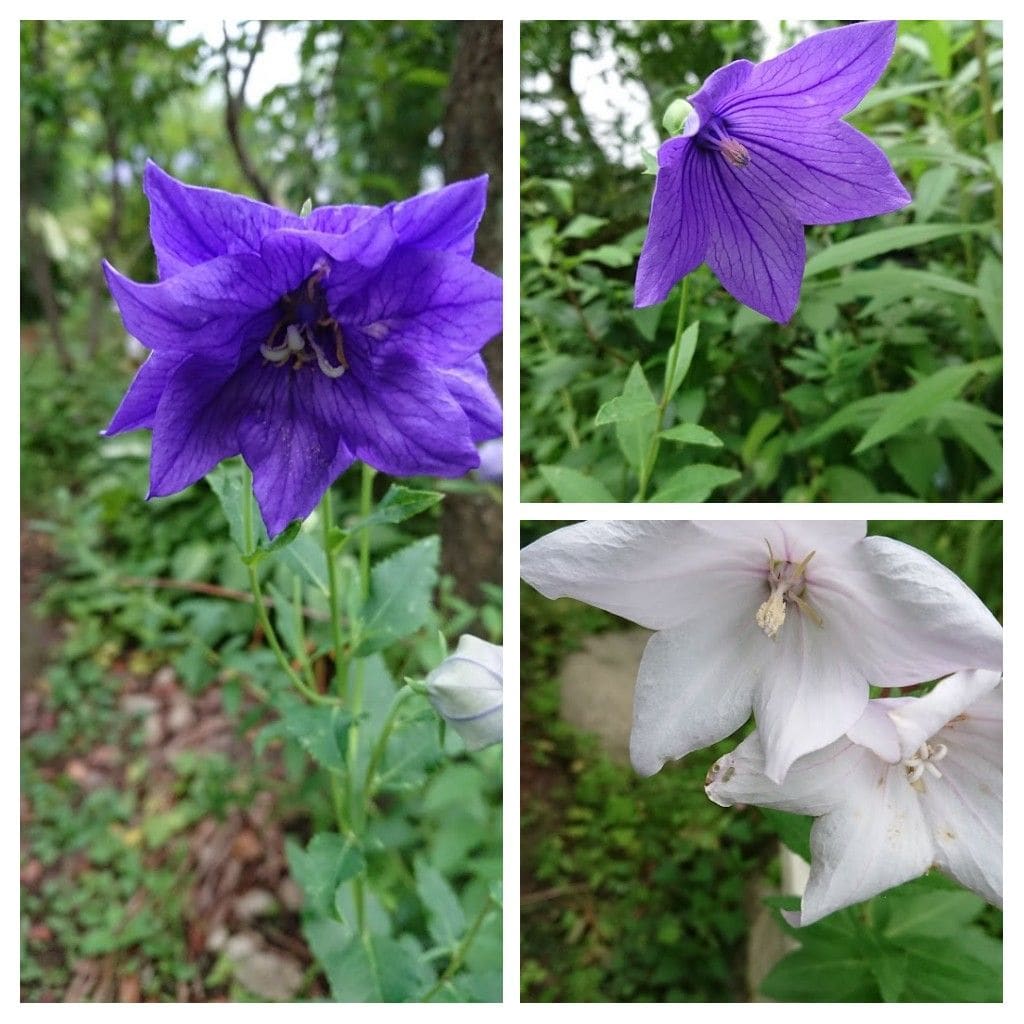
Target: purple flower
{"type": "Point", "coordinates": [304, 343]}
{"type": "Point", "coordinates": [762, 153]}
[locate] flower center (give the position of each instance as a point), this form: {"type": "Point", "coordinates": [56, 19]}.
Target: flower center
{"type": "Point", "coordinates": [306, 332]}
{"type": "Point", "coordinates": [787, 582]}
{"type": "Point", "coordinates": [924, 761]}
{"type": "Point", "coordinates": [716, 136]}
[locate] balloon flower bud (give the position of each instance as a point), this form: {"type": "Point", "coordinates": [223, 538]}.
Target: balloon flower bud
{"type": "Point", "coordinates": [466, 691]}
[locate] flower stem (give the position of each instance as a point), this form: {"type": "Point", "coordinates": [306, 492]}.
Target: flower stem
{"type": "Point", "coordinates": [260, 603]}
{"type": "Point", "coordinates": [460, 950]}
{"type": "Point", "coordinates": [333, 599]}
{"type": "Point", "coordinates": [651, 455]}
{"type": "Point", "coordinates": [380, 745]}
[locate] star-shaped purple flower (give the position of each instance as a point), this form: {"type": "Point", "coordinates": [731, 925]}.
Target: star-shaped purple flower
{"type": "Point", "coordinates": [304, 343]}
{"type": "Point", "coordinates": [763, 153]}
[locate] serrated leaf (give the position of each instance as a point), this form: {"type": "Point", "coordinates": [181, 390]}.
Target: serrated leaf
{"type": "Point", "coordinates": [684, 349]}
{"type": "Point", "coordinates": [374, 969]}
{"type": "Point", "coordinates": [226, 482]}
{"type": "Point", "coordinates": [305, 557]}
{"type": "Point", "coordinates": [445, 916]}
{"type": "Point", "coordinates": [400, 594]}
{"type": "Point", "coordinates": [572, 485]}
{"type": "Point", "coordinates": [327, 861]}
{"type": "Point", "coordinates": [399, 504]}
{"type": "Point", "coordinates": [320, 730]}
{"type": "Point", "coordinates": [690, 433]}
{"type": "Point", "coordinates": [695, 483]}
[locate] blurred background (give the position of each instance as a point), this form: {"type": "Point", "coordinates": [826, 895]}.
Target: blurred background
{"type": "Point", "coordinates": [903, 329]}
{"type": "Point", "coordinates": [642, 890]}
{"type": "Point", "coordinates": [151, 838]}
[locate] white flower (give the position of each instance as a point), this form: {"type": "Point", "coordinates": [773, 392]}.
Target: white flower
{"type": "Point", "coordinates": [790, 619]}
{"type": "Point", "coordinates": [466, 691]}
{"type": "Point", "coordinates": [926, 790]}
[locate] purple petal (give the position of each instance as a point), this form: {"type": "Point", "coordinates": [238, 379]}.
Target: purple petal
{"type": "Point", "coordinates": [288, 436]}
{"type": "Point", "coordinates": [469, 386]}
{"type": "Point", "coordinates": [677, 235]}
{"type": "Point", "coordinates": [756, 247]}
{"type": "Point", "coordinates": [139, 405]}
{"type": "Point", "coordinates": [719, 86]}
{"type": "Point", "coordinates": [339, 220]}
{"type": "Point", "coordinates": [191, 225]}
{"type": "Point", "coordinates": [195, 426]}
{"type": "Point", "coordinates": [444, 220]}
{"type": "Point", "coordinates": [433, 307]}
{"type": "Point", "coordinates": [820, 173]}
{"type": "Point", "coordinates": [822, 77]}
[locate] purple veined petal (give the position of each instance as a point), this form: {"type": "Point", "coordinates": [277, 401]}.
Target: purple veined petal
{"type": "Point", "coordinates": [964, 808]}
{"type": "Point", "coordinates": [657, 574]}
{"type": "Point", "coordinates": [677, 233]}
{"type": "Point", "coordinates": [918, 720]}
{"type": "Point", "coordinates": [402, 421]}
{"type": "Point", "coordinates": [289, 438]}
{"type": "Point", "coordinates": [139, 405]}
{"type": "Point", "coordinates": [819, 173]}
{"type": "Point", "coordinates": [339, 220]}
{"type": "Point", "coordinates": [719, 86]}
{"type": "Point", "coordinates": [822, 77]}
{"type": "Point", "coordinates": [445, 220]}
{"type": "Point", "coordinates": [875, 840]}
{"type": "Point", "coordinates": [697, 683]}
{"type": "Point", "coordinates": [468, 384]}
{"type": "Point", "coordinates": [756, 248]}
{"type": "Point", "coordinates": [191, 225]}
{"type": "Point", "coordinates": [816, 783]}
{"type": "Point", "coordinates": [905, 617]}
{"type": "Point", "coordinates": [433, 307]}
{"type": "Point", "coordinates": [195, 426]}
{"type": "Point", "coordinates": [211, 310]}
{"type": "Point", "coordinates": [875, 731]}
{"type": "Point", "coordinates": [812, 695]}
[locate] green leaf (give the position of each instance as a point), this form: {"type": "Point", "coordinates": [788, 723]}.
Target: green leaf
{"type": "Point", "coordinates": [921, 400]}
{"type": "Point", "coordinates": [990, 294]}
{"type": "Point", "coordinates": [935, 914]}
{"type": "Point", "coordinates": [326, 862]}
{"type": "Point", "coordinates": [650, 162]}
{"type": "Point", "coordinates": [690, 433]}
{"type": "Point", "coordinates": [890, 971]}
{"type": "Point", "coordinates": [226, 482]}
{"type": "Point", "coordinates": [792, 829]}
{"type": "Point", "coordinates": [282, 540]}
{"type": "Point", "coordinates": [321, 731]}
{"type": "Point", "coordinates": [571, 485]}
{"type": "Point", "coordinates": [445, 916]}
{"type": "Point", "coordinates": [305, 557]}
{"type": "Point", "coordinates": [863, 247]}
{"type": "Point", "coordinates": [826, 976]}
{"type": "Point", "coordinates": [374, 969]}
{"type": "Point", "coordinates": [695, 483]}
{"type": "Point", "coordinates": [761, 429]}
{"type": "Point", "coordinates": [961, 968]}
{"type": "Point", "coordinates": [879, 97]}
{"type": "Point", "coordinates": [607, 255]}
{"type": "Point", "coordinates": [890, 282]}
{"type": "Point", "coordinates": [994, 152]}
{"type": "Point", "coordinates": [400, 595]}
{"type": "Point", "coordinates": [399, 504]}
{"type": "Point", "coordinates": [932, 188]}
{"type": "Point", "coordinates": [634, 435]}
{"type": "Point", "coordinates": [307, 208]}
{"type": "Point", "coordinates": [683, 349]}
{"type": "Point", "coordinates": [583, 226]}
{"type": "Point", "coordinates": [918, 460]}
{"type": "Point", "coordinates": [626, 407]}
{"type": "Point", "coordinates": [647, 319]}
{"type": "Point", "coordinates": [562, 191]}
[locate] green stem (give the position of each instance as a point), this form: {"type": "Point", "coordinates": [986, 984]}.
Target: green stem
{"type": "Point", "coordinates": [381, 744]}
{"type": "Point", "coordinates": [334, 599]}
{"type": "Point", "coordinates": [651, 455]}
{"type": "Point", "coordinates": [460, 951]}
{"type": "Point", "coordinates": [260, 604]}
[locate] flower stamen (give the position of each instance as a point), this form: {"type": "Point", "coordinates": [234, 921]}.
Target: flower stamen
{"type": "Point", "coordinates": [924, 761]}
{"type": "Point", "coordinates": [788, 582]}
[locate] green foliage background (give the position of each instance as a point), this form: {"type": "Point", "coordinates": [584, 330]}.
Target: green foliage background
{"type": "Point", "coordinates": [886, 384]}
{"type": "Point", "coordinates": [642, 890]}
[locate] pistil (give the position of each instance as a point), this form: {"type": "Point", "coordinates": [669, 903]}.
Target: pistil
{"type": "Point", "coordinates": [788, 583]}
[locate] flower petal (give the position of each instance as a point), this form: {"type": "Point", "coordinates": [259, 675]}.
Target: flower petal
{"type": "Point", "coordinates": [677, 234]}
{"type": "Point", "coordinates": [876, 731]}
{"type": "Point", "coordinates": [822, 77]}
{"type": "Point", "coordinates": [810, 696]}
{"type": "Point", "coordinates": [756, 247]}
{"type": "Point", "coordinates": [339, 220]}
{"type": "Point", "coordinates": [139, 405]}
{"type": "Point", "coordinates": [918, 720]}
{"type": "Point", "coordinates": [443, 220]}
{"type": "Point", "coordinates": [434, 307]}
{"type": "Point", "coordinates": [820, 173]}
{"type": "Point", "coordinates": [875, 840]}
{"type": "Point", "coordinates": [905, 617]}
{"type": "Point", "coordinates": [289, 438]}
{"type": "Point", "coordinates": [719, 86]}
{"type": "Point", "coordinates": [696, 684]}
{"type": "Point", "coordinates": [469, 386]}
{"type": "Point", "coordinates": [964, 808]}
{"type": "Point", "coordinates": [191, 225]}
{"type": "Point", "coordinates": [195, 426]}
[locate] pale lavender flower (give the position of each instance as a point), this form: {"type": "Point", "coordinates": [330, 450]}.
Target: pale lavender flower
{"type": "Point", "coordinates": [466, 691]}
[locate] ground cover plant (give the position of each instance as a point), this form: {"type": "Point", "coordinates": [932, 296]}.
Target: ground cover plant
{"type": "Point", "coordinates": [885, 382]}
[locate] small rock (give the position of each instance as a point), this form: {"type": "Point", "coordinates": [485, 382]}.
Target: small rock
{"type": "Point", "coordinates": [40, 933]}
{"type": "Point", "coordinates": [129, 989]}
{"type": "Point", "coordinates": [241, 946]}
{"type": "Point", "coordinates": [77, 771]}
{"type": "Point", "coordinates": [165, 680]}
{"type": "Point", "coordinates": [153, 731]}
{"type": "Point", "coordinates": [139, 704]}
{"type": "Point", "coordinates": [247, 846]}
{"type": "Point", "coordinates": [32, 872]}
{"type": "Point", "coordinates": [290, 894]}
{"type": "Point", "coordinates": [255, 903]}
{"type": "Point", "coordinates": [217, 939]}
{"type": "Point", "coordinates": [270, 975]}
{"type": "Point", "coordinates": [181, 716]}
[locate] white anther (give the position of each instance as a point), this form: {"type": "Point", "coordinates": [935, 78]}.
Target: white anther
{"type": "Point", "coordinates": [321, 360]}
{"type": "Point", "coordinates": [293, 339]}
{"type": "Point", "coordinates": [914, 771]}
{"type": "Point", "coordinates": [939, 751]}
{"type": "Point", "coordinates": [274, 355]}
{"type": "Point", "coordinates": [934, 771]}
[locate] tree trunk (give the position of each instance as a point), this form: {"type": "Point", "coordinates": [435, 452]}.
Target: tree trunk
{"type": "Point", "coordinates": [471, 524]}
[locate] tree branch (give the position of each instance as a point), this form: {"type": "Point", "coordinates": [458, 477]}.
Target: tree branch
{"type": "Point", "coordinates": [234, 104]}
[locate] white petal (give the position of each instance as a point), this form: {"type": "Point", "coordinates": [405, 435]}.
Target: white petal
{"type": "Point", "coordinates": [964, 808]}
{"type": "Point", "coordinates": [655, 573]}
{"type": "Point", "coordinates": [918, 720]}
{"type": "Point", "coordinates": [814, 785]}
{"type": "Point", "coordinates": [810, 695]}
{"type": "Point", "coordinates": [696, 683]}
{"type": "Point", "coordinates": [875, 840]}
{"type": "Point", "coordinates": [466, 690]}
{"type": "Point", "coordinates": [472, 648]}
{"type": "Point", "coordinates": [877, 731]}
{"type": "Point", "coordinates": [906, 618]}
